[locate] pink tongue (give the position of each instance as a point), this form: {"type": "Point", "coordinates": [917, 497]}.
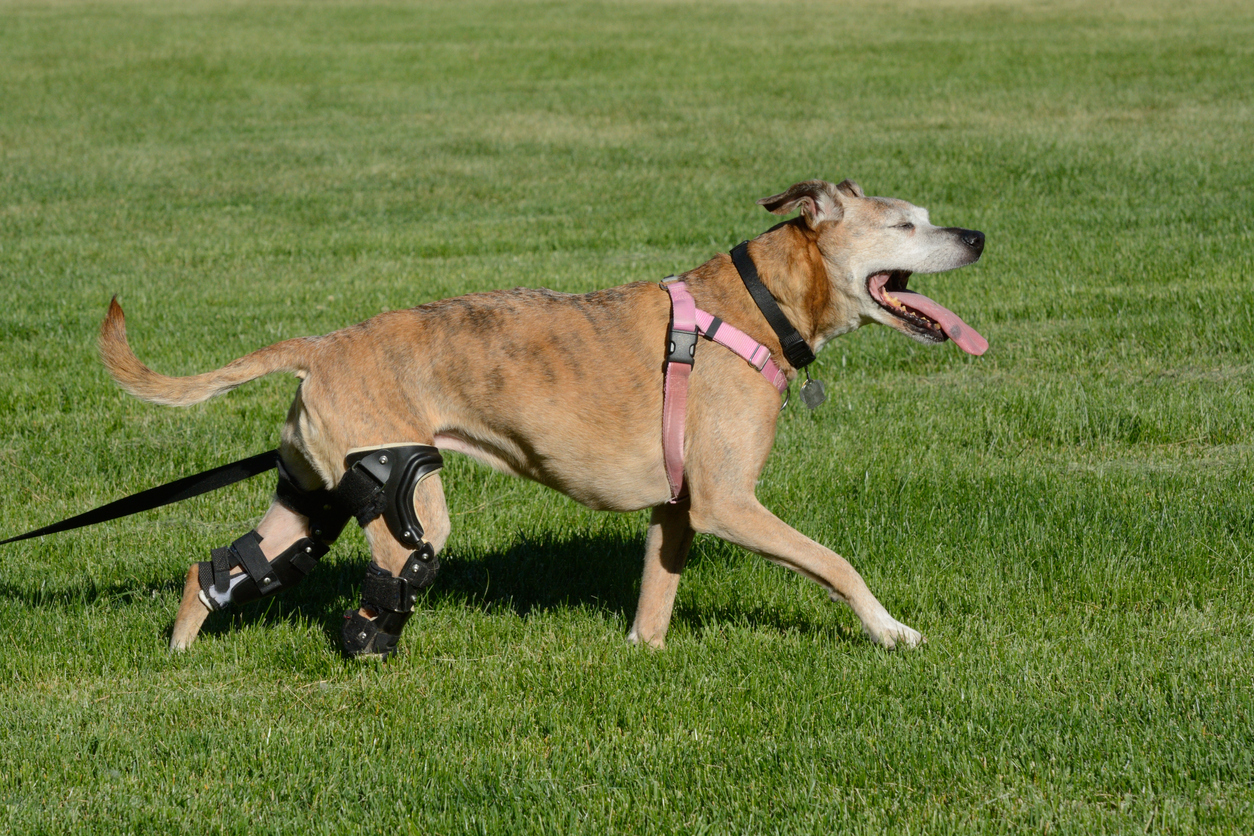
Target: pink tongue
{"type": "Point", "coordinates": [961, 333]}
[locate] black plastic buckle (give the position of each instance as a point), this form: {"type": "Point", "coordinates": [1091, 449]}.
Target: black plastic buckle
{"type": "Point", "coordinates": [683, 347]}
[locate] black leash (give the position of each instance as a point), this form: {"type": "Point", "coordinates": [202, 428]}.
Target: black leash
{"type": "Point", "coordinates": [176, 491]}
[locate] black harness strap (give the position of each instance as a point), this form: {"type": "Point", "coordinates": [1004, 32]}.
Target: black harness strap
{"type": "Point", "coordinates": [796, 349]}
{"type": "Point", "coordinates": [176, 491]}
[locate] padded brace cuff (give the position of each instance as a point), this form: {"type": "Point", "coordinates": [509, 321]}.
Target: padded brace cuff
{"type": "Point", "coordinates": [381, 591]}
{"type": "Point", "coordinates": [321, 507]}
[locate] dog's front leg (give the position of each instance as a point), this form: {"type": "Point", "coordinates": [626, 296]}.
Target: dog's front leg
{"type": "Point", "coordinates": [665, 553]}
{"type": "Point", "coordinates": [748, 524]}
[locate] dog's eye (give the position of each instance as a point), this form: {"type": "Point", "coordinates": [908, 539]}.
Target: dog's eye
{"type": "Point", "coordinates": [907, 226]}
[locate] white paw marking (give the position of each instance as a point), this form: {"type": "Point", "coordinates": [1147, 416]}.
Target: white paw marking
{"type": "Point", "coordinates": [889, 633]}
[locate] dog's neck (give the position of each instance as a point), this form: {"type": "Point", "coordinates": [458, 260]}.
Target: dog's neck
{"type": "Point", "coordinates": [791, 267]}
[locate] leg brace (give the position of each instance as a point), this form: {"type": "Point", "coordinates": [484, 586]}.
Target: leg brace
{"type": "Point", "coordinates": [382, 482]}
{"type": "Point", "coordinates": [220, 588]}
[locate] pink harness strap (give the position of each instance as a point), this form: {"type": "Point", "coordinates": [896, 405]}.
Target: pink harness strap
{"type": "Point", "coordinates": [686, 322]}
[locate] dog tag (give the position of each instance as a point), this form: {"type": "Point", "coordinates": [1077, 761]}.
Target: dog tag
{"type": "Point", "coordinates": [812, 393]}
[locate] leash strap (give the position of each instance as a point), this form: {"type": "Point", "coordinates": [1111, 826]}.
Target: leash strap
{"type": "Point", "coordinates": [796, 349]}
{"type": "Point", "coordinates": [176, 491]}
{"type": "Point", "coordinates": [687, 321]}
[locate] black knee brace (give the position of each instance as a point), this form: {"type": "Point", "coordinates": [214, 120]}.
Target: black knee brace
{"type": "Point", "coordinates": [219, 588]}
{"type": "Point", "coordinates": [382, 482]}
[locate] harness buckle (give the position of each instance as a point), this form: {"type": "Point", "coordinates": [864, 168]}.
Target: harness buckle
{"type": "Point", "coordinates": [683, 347]}
{"type": "Point", "coordinates": [761, 356]}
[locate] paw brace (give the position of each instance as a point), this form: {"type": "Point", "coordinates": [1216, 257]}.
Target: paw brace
{"type": "Point", "coordinates": [381, 482]}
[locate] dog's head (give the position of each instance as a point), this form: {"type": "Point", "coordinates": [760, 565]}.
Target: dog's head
{"type": "Point", "coordinates": [870, 247]}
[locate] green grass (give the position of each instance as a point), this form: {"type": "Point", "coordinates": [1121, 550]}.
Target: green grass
{"type": "Point", "coordinates": [1069, 519]}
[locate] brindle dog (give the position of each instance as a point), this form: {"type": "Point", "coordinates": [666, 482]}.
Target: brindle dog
{"type": "Point", "coordinates": [567, 390]}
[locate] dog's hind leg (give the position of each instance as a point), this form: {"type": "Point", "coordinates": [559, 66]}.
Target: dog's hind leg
{"type": "Point", "coordinates": [403, 551]}
{"type": "Point", "coordinates": [665, 553]}
{"type": "Point", "coordinates": [295, 533]}
{"type": "Point", "coordinates": [279, 530]}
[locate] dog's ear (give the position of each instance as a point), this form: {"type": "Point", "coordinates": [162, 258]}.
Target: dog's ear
{"type": "Point", "coordinates": [816, 199]}
{"type": "Point", "coordinates": [850, 189]}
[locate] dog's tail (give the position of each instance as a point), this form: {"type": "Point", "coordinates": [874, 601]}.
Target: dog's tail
{"type": "Point", "coordinates": [145, 384]}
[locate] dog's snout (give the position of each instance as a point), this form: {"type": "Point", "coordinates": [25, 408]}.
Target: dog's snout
{"type": "Point", "coordinates": [973, 239]}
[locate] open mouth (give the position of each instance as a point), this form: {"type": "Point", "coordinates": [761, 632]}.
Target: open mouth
{"type": "Point", "coordinates": [920, 313]}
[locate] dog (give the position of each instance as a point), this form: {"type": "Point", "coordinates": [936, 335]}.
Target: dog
{"type": "Point", "coordinates": [567, 390]}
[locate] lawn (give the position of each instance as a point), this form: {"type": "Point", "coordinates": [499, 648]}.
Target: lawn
{"type": "Point", "coordinates": [1069, 519]}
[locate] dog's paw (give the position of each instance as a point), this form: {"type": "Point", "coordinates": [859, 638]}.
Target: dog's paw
{"type": "Point", "coordinates": [654, 643]}
{"type": "Point", "coordinates": [890, 633]}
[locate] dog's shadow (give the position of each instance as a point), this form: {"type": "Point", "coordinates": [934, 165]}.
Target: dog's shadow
{"type": "Point", "coordinates": [598, 573]}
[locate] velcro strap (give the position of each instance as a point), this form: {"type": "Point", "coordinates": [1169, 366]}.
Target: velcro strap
{"type": "Point", "coordinates": [204, 574]}
{"type": "Point", "coordinates": [361, 495]}
{"type": "Point", "coordinates": [220, 567]}
{"type": "Point", "coordinates": [385, 592]}
{"type": "Point", "coordinates": [248, 550]}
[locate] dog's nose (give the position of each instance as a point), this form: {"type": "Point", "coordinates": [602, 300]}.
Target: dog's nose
{"type": "Point", "coordinates": [973, 239]}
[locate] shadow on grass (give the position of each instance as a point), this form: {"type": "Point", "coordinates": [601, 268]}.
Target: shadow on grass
{"type": "Point", "coordinates": [598, 573]}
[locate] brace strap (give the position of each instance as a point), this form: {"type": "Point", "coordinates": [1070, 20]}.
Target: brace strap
{"type": "Point", "coordinates": [381, 591]}
{"type": "Point", "coordinates": [261, 577]}
{"type": "Point", "coordinates": [248, 548]}
{"type": "Point", "coordinates": [362, 494]}
{"type": "Point", "coordinates": [687, 320]}
{"type": "Point", "coordinates": [321, 507]}
{"type": "Point", "coordinates": [245, 552]}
